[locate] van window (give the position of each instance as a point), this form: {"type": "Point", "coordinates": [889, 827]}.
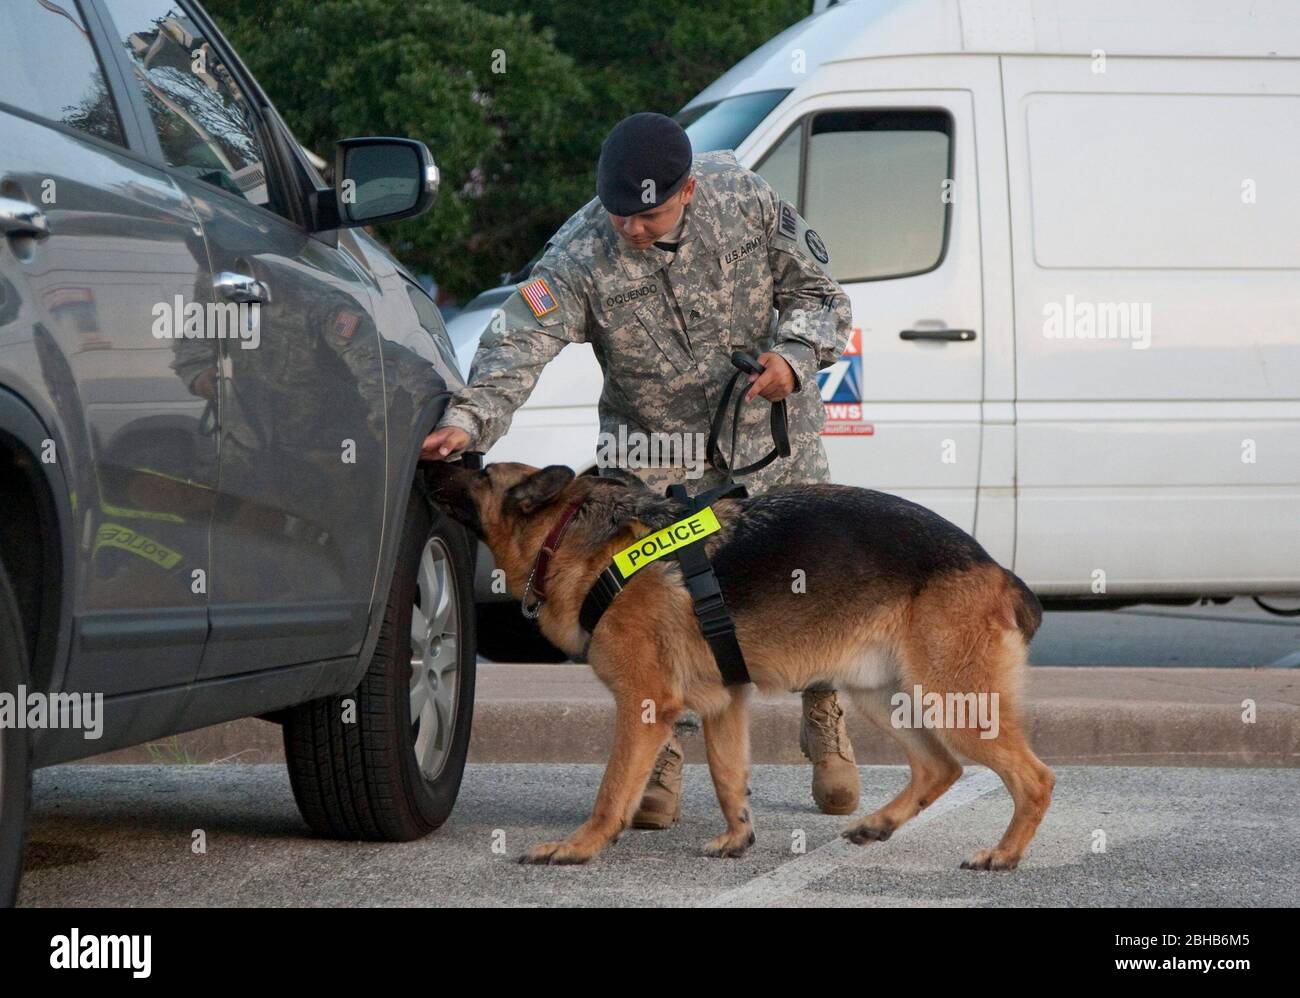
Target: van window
{"type": "Point", "coordinates": [205, 123]}
{"type": "Point", "coordinates": [725, 123]}
{"type": "Point", "coordinates": [780, 167]}
{"type": "Point", "coordinates": [48, 68]}
{"type": "Point", "coordinates": [874, 190]}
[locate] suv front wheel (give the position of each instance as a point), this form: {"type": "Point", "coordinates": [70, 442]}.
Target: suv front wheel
{"type": "Point", "coordinates": [385, 762]}
{"type": "Point", "coordinates": [15, 757]}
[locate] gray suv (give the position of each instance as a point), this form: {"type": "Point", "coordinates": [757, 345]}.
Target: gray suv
{"type": "Point", "coordinates": [213, 390]}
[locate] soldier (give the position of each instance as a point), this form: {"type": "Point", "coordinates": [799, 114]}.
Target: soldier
{"type": "Point", "coordinates": [679, 261]}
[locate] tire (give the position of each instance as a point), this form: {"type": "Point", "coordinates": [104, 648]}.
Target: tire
{"type": "Point", "coordinates": [15, 750]}
{"type": "Point", "coordinates": [506, 635]}
{"type": "Point", "coordinates": [362, 779]}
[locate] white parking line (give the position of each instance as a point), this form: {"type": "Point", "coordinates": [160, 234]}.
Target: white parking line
{"type": "Point", "coordinates": [803, 870]}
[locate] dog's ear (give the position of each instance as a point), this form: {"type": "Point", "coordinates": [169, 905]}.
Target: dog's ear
{"type": "Point", "coordinates": [537, 490]}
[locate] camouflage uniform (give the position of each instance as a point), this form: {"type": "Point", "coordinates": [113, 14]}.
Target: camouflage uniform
{"type": "Point", "coordinates": [663, 327]}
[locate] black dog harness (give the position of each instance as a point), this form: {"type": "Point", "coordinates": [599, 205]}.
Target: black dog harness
{"type": "Point", "coordinates": [679, 540]}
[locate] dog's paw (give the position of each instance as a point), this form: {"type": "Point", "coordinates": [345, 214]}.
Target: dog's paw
{"type": "Point", "coordinates": [554, 854]}
{"type": "Point", "coordinates": [869, 829]}
{"type": "Point", "coordinates": [991, 859]}
{"type": "Point", "coordinates": [730, 844]}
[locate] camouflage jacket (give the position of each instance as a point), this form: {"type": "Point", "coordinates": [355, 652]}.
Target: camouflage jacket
{"type": "Point", "coordinates": [663, 326]}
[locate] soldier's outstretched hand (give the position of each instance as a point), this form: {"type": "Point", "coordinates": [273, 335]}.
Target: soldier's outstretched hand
{"type": "Point", "coordinates": [442, 444]}
{"type": "Point", "coordinates": [773, 384]}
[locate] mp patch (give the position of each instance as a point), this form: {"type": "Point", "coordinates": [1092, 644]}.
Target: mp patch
{"type": "Point", "coordinates": [789, 220]}
{"type": "Point", "coordinates": [538, 295]}
{"type": "Point", "coordinates": [816, 246]}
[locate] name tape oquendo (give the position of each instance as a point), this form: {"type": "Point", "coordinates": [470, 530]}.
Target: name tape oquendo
{"type": "Point", "coordinates": [677, 535]}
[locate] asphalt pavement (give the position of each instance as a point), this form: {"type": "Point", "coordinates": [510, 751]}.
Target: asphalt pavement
{"type": "Point", "coordinates": [1143, 837]}
{"type": "Point", "coordinates": [1120, 704]}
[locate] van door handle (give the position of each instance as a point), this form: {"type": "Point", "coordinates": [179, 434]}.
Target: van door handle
{"type": "Point", "coordinates": [240, 288]}
{"type": "Point", "coordinates": [18, 218]}
{"type": "Point", "coordinates": [947, 335]}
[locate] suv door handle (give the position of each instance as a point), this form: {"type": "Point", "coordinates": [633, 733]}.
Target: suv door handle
{"type": "Point", "coordinates": [240, 288]}
{"type": "Point", "coordinates": [948, 335]}
{"type": "Point", "coordinates": [18, 218]}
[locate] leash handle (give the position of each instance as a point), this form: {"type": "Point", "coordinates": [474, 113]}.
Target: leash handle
{"type": "Point", "coordinates": [780, 415]}
{"type": "Point", "coordinates": [745, 364]}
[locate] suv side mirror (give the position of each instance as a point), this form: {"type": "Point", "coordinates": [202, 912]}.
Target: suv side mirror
{"type": "Point", "coordinates": [382, 179]}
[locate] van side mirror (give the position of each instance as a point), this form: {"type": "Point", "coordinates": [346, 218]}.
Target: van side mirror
{"type": "Point", "coordinates": [382, 180]}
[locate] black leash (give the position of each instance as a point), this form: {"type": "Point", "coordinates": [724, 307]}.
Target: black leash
{"type": "Point", "coordinates": [780, 421]}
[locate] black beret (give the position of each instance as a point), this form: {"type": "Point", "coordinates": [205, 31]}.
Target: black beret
{"type": "Point", "coordinates": [642, 147]}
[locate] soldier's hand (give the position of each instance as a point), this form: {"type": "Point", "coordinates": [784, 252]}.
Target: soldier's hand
{"type": "Point", "coordinates": [442, 444]}
{"type": "Point", "coordinates": [773, 384]}
{"type": "Point", "coordinates": [204, 384]}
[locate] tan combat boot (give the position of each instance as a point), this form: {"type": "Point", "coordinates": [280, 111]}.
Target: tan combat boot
{"type": "Point", "coordinates": [825, 741]}
{"type": "Point", "coordinates": [661, 805]}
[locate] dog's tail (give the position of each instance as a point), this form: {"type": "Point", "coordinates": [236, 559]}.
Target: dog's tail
{"type": "Point", "coordinates": [1029, 612]}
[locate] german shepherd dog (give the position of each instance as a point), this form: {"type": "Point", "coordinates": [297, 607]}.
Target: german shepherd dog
{"type": "Point", "coordinates": [875, 594]}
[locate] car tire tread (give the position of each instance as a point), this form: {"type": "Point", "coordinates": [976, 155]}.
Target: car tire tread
{"type": "Point", "coordinates": [360, 781]}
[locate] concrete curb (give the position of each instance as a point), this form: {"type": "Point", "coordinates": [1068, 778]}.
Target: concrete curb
{"type": "Point", "coordinates": [1075, 716]}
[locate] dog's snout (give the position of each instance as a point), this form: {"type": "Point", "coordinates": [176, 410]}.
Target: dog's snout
{"type": "Point", "coordinates": [449, 485]}
{"type": "Point", "coordinates": [447, 476]}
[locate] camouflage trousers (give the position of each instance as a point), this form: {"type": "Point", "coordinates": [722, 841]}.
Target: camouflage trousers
{"type": "Point", "coordinates": [689, 722]}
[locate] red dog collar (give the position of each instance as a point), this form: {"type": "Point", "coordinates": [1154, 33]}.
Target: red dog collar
{"type": "Point", "coordinates": [537, 578]}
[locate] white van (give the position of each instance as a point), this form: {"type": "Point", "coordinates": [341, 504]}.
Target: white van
{"type": "Point", "coordinates": [1070, 230]}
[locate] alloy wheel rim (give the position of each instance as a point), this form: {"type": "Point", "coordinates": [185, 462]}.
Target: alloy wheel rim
{"type": "Point", "coordinates": [435, 659]}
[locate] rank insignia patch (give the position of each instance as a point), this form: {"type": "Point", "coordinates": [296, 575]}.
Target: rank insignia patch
{"type": "Point", "coordinates": [538, 295]}
{"type": "Point", "coordinates": [789, 226]}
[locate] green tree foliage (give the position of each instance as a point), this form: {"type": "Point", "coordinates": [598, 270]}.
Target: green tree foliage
{"type": "Point", "coordinates": [636, 55]}
{"type": "Point", "coordinates": [518, 148]}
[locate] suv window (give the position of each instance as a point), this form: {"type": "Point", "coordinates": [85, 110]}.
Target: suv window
{"type": "Point", "coordinates": [205, 124]}
{"type": "Point", "coordinates": [48, 68]}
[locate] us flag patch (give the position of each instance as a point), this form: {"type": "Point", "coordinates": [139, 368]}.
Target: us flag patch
{"type": "Point", "coordinates": [538, 295]}
{"type": "Point", "coordinates": [345, 324]}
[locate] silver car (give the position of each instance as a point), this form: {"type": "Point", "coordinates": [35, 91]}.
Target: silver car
{"type": "Point", "coordinates": [213, 390]}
